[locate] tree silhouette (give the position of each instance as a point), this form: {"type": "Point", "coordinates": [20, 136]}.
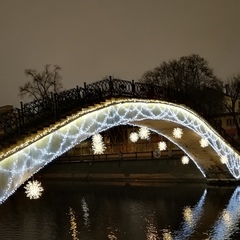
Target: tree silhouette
{"type": "Point", "coordinates": [42, 84]}
{"type": "Point", "coordinates": [192, 78]}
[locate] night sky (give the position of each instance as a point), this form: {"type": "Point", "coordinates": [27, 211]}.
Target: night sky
{"type": "Point", "coordinates": [91, 39]}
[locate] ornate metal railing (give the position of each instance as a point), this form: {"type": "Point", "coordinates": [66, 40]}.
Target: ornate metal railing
{"type": "Point", "coordinates": [34, 115]}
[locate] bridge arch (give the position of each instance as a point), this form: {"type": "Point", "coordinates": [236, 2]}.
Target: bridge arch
{"type": "Point", "coordinates": [21, 162]}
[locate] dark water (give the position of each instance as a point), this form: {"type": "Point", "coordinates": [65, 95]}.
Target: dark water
{"type": "Point", "coordinates": [72, 210]}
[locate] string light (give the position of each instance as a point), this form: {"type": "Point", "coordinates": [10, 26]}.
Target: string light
{"type": "Point", "coordinates": [47, 145]}
{"type": "Point", "coordinates": [162, 146]}
{"type": "Point", "coordinates": [144, 133]}
{"type": "Point", "coordinates": [33, 189]}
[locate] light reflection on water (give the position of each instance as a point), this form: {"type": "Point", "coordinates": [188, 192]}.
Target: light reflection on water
{"type": "Point", "coordinates": [71, 210]}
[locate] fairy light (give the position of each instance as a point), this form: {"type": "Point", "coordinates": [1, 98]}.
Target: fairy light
{"type": "Point", "coordinates": [33, 189]}
{"type": "Point", "coordinates": [144, 133]}
{"type": "Point", "coordinates": [185, 159]}
{"type": "Point", "coordinates": [177, 133]}
{"type": "Point", "coordinates": [162, 146]}
{"type": "Point", "coordinates": [16, 166]}
{"type": "Point", "coordinates": [133, 137]}
{"type": "Point", "coordinates": [204, 142]}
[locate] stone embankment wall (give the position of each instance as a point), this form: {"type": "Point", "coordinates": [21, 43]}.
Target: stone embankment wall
{"type": "Point", "coordinates": [147, 170]}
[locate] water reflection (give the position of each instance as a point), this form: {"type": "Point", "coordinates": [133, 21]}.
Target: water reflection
{"type": "Point", "coordinates": [73, 225]}
{"type": "Point", "coordinates": [227, 223]}
{"type": "Point", "coordinates": [85, 212]}
{"type": "Point", "coordinates": [167, 211]}
{"type": "Point", "coordinates": [191, 217]}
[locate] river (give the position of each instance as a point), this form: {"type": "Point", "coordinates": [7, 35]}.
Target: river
{"type": "Point", "coordinates": [103, 211]}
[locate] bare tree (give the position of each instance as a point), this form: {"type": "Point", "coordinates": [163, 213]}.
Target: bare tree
{"type": "Point", "coordinates": [42, 83]}
{"type": "Point", "coordinates": [192, 78]}
{"type": "Point", "coordinates": [232, 100]}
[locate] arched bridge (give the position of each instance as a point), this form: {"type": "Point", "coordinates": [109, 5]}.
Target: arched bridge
{"type": "Point", "coordinates": [29, 153]}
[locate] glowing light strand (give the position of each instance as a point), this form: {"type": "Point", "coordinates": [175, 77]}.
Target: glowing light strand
{"type": "Point", "coordinates": [53, 142]}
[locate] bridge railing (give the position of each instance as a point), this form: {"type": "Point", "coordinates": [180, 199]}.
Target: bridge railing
{"type": "Point", "coordinates": [36, 114]}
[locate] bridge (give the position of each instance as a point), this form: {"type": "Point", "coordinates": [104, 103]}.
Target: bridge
{"type": "Point", "coordinates": [42, 130]}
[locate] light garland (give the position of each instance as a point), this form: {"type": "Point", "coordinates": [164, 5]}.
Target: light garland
{"type": "Point", "coordinates": [133, 137]}
{"type": "Point", "coordinates": [16, 165]}
{"type": "Point", "coordinates": [177, 133]}
{"type": "Point", "coordinates": [162, 146]}
{"type": "Point", "coordinates": [144, 133]}
{"type": "Point", "coordinates": [185, 159]}
{"type": "Point", "coordinates": [33, 189]}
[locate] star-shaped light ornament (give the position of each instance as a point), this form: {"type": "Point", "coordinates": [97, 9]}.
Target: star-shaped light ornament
{"type": "Point", "coordinates": [98, 145]}
{"type": "Point", "coordinates": [162, 146]}
{"type": "Point", "coordinates": [33, 189]}
{"type": "Point", "coordinates": [223, 159]}
{"type": "Point", "coordinates": [185, 159]}
{"type": "Point", "coordinates": [134, 137]}
{"type": "Point", "coordinates": [97, 138]}
{"type": "Point", "coordinates": [144, 133]}
{"type": "Point", "coordinates": [204, 142]}
{"type": "Point", "coordinates": [177, 133]}
{"type": "Point", "coordinates": [98, 148]}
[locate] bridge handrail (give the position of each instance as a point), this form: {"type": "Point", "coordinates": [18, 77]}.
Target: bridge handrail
{"type": "Point", "coordinates": [20, 121]}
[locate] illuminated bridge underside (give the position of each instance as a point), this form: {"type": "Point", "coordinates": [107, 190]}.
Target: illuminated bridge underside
{"type": "Point", "coordinates": [22, 161]}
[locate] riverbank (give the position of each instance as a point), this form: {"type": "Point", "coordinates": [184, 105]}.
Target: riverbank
{"type": "Point", "coordinates": [148, 170]}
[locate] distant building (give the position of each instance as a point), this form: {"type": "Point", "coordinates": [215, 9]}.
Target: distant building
{"type": "Point", "coordinates": [5, 109]}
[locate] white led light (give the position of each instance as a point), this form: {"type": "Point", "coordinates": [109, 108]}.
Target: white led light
{"type": "Point", "coordinates": [162, 146]}
{"type": "Point", "coordinates": [33, 189]}
{"type": "Point", "coordinates": [177, 133]}
{"type": "Point", "coordinates": [17, 164]}
{"type": "Point", "coordinates": [133, 137]}
{"type": "Point", "coordinates": [185, 159]}
{"type": "Point", "coordinates": [144, 133]}
{"type": "Point", "coordinates": [204, 142]}
{"type": "Point", "coordinates": [223, 159]}
{"type": "Point", "coordinates": [98, 145]}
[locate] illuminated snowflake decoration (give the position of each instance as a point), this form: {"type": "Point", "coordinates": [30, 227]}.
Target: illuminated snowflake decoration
{"type": "Point", "coordinates": [98, 145]}
{"type": "Point", "coordinates": [144, 133]}
{"type": "Point", "coordinates": [177, 133]}
{"type": "Point", "coordinates": [223, 159]}
{"type": "Point", "coordinates": [185, 160]}
{"type": "Point", "coordinates": [204, 142]}
{"type": "Point", "coordinates": [97, 138]}
{"type": "Point", "coordinates": [134, 137]}
{"type": "Point", "coordinates": [33, 189]}
{"type": "Point", "coordinates": [162, 146]}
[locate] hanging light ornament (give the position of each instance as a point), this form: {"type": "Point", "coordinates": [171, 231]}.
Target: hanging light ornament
{"type": "Point", "coordinates": [144, 133]}
{"type": "Point", "coordinates": [97, 138]}
{"type": "Point", "coordinates": [33, 189]}
{"type": "Point", "coordinates": [204, 142]}
{"type": "Point", "coordinates": [185, 159]}
{"type": "Point", "coordinates": [133, 137]}
{"type": "Point", "coordinates": [223, 159]}
{"type": "Point", "coordinates": [98, 145]}
{"type": "Point", "coordinates": [177, 133]}
{"type": "Point", "coordinates": [162, 146]}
